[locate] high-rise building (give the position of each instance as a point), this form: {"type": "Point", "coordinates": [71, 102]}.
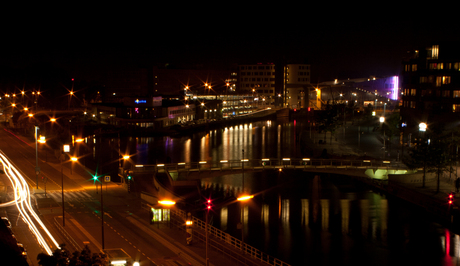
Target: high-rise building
{"type": "Point", "coordinates": [258, 80]}
{"type": "Point", "coordinates": [431, 85]}
{"type": "Point", "coordinates": [272, 84]}
{"type": "Point", "coordinates": [296, 85]}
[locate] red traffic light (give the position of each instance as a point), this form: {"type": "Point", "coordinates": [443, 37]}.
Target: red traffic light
{"type": "Point", "coordinates": [451, 198]}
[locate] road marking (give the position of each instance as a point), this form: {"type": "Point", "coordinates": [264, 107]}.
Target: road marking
{"type": "Point", "coordinates": [88, 235]}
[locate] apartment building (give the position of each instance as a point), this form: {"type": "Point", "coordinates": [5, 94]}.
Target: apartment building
{"type": "Point", "coordinates": [431, 85]}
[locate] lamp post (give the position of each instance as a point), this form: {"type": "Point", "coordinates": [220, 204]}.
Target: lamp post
{"type": "Point", "coordinates": [422, 129]}
{"type": "Point", "coordinates": [102, 217]}
{"type": "Point", "coordinates": [382, 120]}
{"type": "Point", "coordinates": [206, 229]}
{"type": "Point", "coordinates": [37, 169]}
{"type": "Point", "coordinates": [61, 158]}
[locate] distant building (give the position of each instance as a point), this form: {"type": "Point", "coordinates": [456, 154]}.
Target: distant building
{"type": "Point", "coordinates": [276, 85]}
{"type": "Point", "coordinates": [296, 85]}
{"type": "Point", "coordinates": [431, 85]}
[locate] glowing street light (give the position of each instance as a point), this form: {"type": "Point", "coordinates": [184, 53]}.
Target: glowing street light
{"type": "Point", "coordinates": [167, 202]}
{"type": "Point", "coordinates": [245, 198]}
{"type": "Point", "coordinates": [422, 127]}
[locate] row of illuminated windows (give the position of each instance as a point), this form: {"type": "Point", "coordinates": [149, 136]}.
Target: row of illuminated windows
{"type": "Point", "coordinates": [434, 66]}
{"type": "Point", "coordinates": [247, 85]}
{"type": "Point", "coordinates": [257, 79]}
{"type": "Point", "coordinates": [257, 73]}
{"type": "Point", "coordinates": [443, 93]}
{"type": "Point", "coordinates": [257, 67]}
{"type": "Point", "coordinates": [439, 80]}
{"type": "Point", "coordinates": [411, 104]}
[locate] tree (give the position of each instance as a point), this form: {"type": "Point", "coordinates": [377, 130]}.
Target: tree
{"type": "Point", "coordinates": [327, 120]}
{"type": "Point", "coordinates": [61, 257]}
{"type": "Point", "coordinates": [432, 157]}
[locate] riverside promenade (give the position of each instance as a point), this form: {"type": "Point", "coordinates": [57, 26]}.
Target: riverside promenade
{"type": "Point", "coordinates": [358, 141]}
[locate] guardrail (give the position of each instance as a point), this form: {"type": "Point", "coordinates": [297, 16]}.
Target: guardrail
{"type": "Point", "coordinates": [267, 163]}
{"type": "Point", "coordinates": [252, 252]}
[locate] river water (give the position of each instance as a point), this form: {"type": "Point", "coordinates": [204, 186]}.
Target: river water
{"type": "Point", "coordinates": [298, 217]}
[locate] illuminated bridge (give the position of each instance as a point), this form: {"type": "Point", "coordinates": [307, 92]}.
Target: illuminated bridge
{"type": "Point", "coordinates": [369, 168]}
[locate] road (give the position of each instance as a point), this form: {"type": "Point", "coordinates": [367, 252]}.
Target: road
{"type": "Point", "coordinates": [83, 221]}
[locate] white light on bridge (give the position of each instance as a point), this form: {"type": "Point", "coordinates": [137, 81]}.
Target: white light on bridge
{"type": "Point", "coordinates": [366, 161]}
{"type": "Point", "coordinates": [181, 164]}
{"type": "Point", "coordinates": [265, 160]}
{"type": "Point", "coordinates": [286, 159]}
{"type": "Point", "coordinates": [224, 161]}
{"type": "Point", "coordinates": [202, 162]}
{"type": "Point", "coordinates": [245, 160]}
{"type": "Point", "coordinates": [140, 165]}
{"type": "Point", "coordinates": [386, 162]}
{"type": "Point", "coordinates": [306, 159]}
{"type": "Point", "coordinates": [118, 262]}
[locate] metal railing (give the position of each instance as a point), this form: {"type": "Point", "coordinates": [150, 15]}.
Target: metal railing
{"type": "Point", "coordinates": [235, 243]}
{"type": "Point", "coordinates": [268, 163]}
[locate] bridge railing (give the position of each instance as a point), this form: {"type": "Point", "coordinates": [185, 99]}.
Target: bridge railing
{"type": "Point", "coordinates": [270, 163]}
{"type": "Point", "coordinates": [232, 241]}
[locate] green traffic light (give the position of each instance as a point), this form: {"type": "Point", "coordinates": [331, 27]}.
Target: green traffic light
{"type": "Point", "coordinates": [129, 177]}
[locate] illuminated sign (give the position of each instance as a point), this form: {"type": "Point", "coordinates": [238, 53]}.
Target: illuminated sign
{"type": "Point", "coordinates": [137, 101]}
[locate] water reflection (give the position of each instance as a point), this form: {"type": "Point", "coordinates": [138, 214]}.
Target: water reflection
{"type": "Point", "coordinates": [288, 219]}
{"type": "Point", "coordinates": [299, 218]}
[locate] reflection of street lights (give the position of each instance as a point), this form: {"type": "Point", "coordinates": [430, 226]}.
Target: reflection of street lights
{"type": "Point", "coordinates": [243, 199]}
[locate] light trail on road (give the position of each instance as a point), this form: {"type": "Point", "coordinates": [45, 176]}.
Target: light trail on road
{"type": "Point", "coordinates": [22, 201]}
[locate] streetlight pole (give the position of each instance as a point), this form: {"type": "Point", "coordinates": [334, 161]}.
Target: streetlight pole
{"type": "Point", "coordinates": [382, 120]}
{"type": "Point", "coordinates": [62, 195]}
{"type": "Point", "coordinates": [37, 169]}
{"type": "Point", "coordinates": [102, 218]}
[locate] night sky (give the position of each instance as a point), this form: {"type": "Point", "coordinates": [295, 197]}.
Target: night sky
{"type": "Point", "coordinates": [346, 46]}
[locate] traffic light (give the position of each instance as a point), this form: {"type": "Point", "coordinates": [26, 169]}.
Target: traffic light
{"type": "Point", "coordinates": [450, 199]}
{"type": "Point", "coordinates": [95, 177]}
{"type": "Point", "coordinates": [208, 204]}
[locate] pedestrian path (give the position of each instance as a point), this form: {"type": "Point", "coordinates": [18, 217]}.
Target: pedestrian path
{"type": "Point", "coordinates": [80, 196]}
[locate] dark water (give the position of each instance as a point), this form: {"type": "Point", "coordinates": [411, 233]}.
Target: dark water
{"type": "Point", "coordinates": [295, 216]}
{"type": "Point", "coordinates": [305, 219]}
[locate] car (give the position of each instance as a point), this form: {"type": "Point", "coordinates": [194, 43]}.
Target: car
{"type": "Point", "coordinates": [7, 222]}
{"type": "Point", "coordinates": [22, 249]}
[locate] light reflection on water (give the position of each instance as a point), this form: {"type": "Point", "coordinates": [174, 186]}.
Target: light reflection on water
{"type": "Point", "coordinates": [304, 222]}
{"type": "Point", "coordinates": [337, 224]}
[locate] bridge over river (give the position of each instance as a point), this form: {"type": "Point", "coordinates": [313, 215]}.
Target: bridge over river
{"type": "Point", "coordinates": [377, 169]}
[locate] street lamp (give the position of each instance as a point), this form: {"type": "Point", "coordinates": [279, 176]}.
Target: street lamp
{"type": "Point", "coordinates": [382, 120]}
{"type": "Point", "coordinates": [37, 169]}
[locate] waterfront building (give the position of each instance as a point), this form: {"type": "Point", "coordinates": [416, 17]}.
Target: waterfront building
{"type": "Point", "coordinates": [431, 85]}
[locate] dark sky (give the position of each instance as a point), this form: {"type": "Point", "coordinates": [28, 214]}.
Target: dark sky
{"type": "Point", "coordinates": [347, 46]}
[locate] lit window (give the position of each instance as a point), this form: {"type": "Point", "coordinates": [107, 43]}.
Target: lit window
{"type": "Point", "coordinates": [434, 51]}
{"type": "Point", "coordinates": [446, 80]}
{"type": "Point", "coordinates": [456, 108]}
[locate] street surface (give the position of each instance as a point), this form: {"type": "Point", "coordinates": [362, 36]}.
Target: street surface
{"type": "Point", "coordinates": [83, 221]}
